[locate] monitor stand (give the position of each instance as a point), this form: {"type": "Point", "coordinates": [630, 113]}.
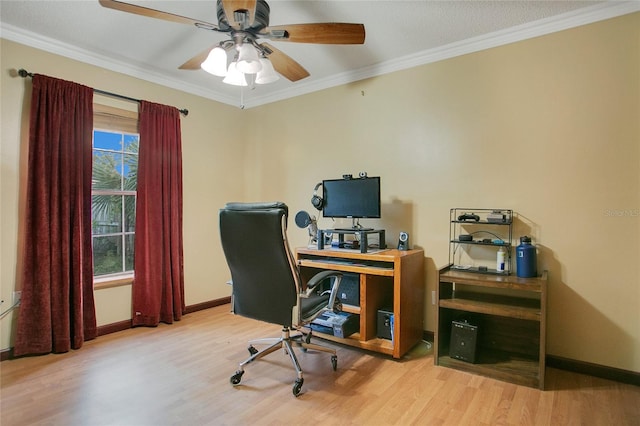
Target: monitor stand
{"type": "Point", "coordinates": [363, 232]}
{"type": "Point", "coordinates": [355, 226]}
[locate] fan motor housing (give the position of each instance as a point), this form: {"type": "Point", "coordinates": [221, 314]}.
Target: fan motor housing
{"type": "Point", "coordinates": [260, 20]}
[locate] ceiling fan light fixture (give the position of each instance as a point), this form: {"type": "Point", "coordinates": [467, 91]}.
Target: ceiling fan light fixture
{"type": "Point", "coordinates": [267, 74]}
{"type": "Point", "coordinates": [216, 62]}
{"type": "Point", "coordinates": [246, 22]}
{"type": "Point", "coordinates": [234, 76]}
{"type": "Point", "coordinates": [248, 60]}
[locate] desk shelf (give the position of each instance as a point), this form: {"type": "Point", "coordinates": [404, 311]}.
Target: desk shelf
{"type": "Point", "coordinates": [387, 278]}
{"type": "Point", "coordinates": [376, 344]}
{"type": "Point", "coordinates": [501, 365]}
{"type": "Point", "coordinates": [358, 268]}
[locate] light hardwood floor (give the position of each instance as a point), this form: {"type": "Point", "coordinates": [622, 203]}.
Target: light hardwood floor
{"type": "Point", "coordinates": [179, 375]}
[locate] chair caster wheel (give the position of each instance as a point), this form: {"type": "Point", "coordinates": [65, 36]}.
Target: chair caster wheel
{"type": "Point", "coordinates": [307, 340]}
{"type": "Point", "coordinates": [235, 379]}
{"type": "Point", "coordinates": [252, 350]}
{"type": "Point", "coordinates": [334, 362]}
{"type": "Point", "coordinates": [297, 387]}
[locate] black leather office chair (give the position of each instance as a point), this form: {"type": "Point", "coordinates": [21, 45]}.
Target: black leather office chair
{"type": "Point", "coordinates": [266, 284]}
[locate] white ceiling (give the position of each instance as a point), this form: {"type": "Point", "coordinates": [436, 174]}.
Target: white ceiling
{"type": "Point", "coordinates": [399, 34]}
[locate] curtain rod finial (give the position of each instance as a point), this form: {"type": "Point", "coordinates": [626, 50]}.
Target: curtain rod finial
{"type": "Point", "coordinates": [24, 73]}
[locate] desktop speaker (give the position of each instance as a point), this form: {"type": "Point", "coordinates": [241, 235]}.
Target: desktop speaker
{"type": "Point", "coordinates": [403, 241]}
{"type": "Point", "coordinates": [464, 338]}
{"type": "Point", "coordinates": [385, 323]}
{"type": "Point", "coordinates": [349, 290]}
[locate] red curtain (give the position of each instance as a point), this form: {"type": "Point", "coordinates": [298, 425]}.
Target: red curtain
{"type": "Point", "coordinates": [158, 288]}
{"type": "Point", "coordinates": [57, 310]}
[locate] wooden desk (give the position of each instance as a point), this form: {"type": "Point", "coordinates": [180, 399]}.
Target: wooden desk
{"type": "Point", "coordinates": [387, 278]}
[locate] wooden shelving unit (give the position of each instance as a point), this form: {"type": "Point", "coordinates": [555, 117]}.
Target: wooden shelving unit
{"type": "Point", "coordinates": [511, 317]}
{"type": "Point", "coordinates": [387, 278]}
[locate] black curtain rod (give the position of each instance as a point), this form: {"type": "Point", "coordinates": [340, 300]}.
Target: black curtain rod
{"type": "Point", "coordinates": [24, 74]}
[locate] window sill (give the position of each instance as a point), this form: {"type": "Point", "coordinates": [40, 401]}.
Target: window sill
{"type": "Point", "coordinates": [100, 283]}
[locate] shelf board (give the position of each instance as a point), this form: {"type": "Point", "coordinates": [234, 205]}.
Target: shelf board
{"type": "Point", "coordinates": [496, 281]}
{"type": "Point", "coordinates": [347, 267]}
{"type": "Point", "coordinates": [383, 255]}
{"type": "Point", "coordinates": [480, 222]}
{"type": "Point", "coordinates": [482, 243]}
{"type": "Point", "coordinates": [351, 309]}
{"type": "Point", "coordinates": [500, 365]}
{"type": "Point", "coordinates": [491, 304]}
{"type": "Point", "coordinates": [476, 270]}
{"type": "Point", "coordinates": [379, 345]}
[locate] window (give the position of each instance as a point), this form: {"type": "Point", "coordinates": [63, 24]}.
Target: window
{"type": "Point", "coordinates": [113, 198]}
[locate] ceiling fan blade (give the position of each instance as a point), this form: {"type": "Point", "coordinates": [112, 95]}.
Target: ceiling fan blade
{"type": "Point", "coordinates": [194, 63]}
{"type": "Point", "coordinates": [321, 33]}
{"type": "Point", "coordinates": [286, 66]}
{"type": "Point", "coordinates": [153, 13]}
{"type": "Point", "coordinates": [230, 6]}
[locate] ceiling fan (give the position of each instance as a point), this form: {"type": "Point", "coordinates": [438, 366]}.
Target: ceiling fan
{"type": "Point", "coordinates": [247, 21]}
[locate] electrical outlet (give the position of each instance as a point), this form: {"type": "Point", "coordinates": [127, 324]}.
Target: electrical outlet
{"type": "Point", "coordinates": [433, 297]}
{"type": "Point", "coordinates": [17, 296]}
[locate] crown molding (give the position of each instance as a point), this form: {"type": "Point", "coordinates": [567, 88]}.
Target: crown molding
{"type": "Point", "coordinates": [588, 15]}
{"type": "Point", "coordinates": [585, 16]}
{"type": "Point", "coordinates": [66, 50]}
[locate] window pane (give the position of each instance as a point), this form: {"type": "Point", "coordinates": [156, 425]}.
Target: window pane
{"type": "Point", "coordinates": [107, 167]}
{"type": "Point", "coordinates": [107, 140]}
{"type": "Point", "coordinates": [131, 143]}
{"type": "Point", "coordinates": [129, 241]}
{"type": "Point", "coordinates": [106, 214]}
{"type": "Point", "coordinates": [130, 172]}
{"type": "Point", "coordinates": [129, 213]}
{"type": "Point", "coordinates": [107, 255]}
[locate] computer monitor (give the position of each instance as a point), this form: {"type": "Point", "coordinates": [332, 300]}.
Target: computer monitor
{"type": "Point", "coordinates": [351, 198]}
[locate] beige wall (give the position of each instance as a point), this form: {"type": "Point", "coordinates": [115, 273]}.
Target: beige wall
{"type": "Point", "coordinates": [547, 127]}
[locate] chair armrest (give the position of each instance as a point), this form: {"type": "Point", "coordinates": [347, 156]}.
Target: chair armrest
{"type": "Point", "coordinates": [321, 276]}
{"type": "Point", "coordinates": [333, 296]}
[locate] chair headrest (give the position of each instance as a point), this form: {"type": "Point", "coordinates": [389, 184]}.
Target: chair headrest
{"type": "Point", "coordinates": [257, 206]}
